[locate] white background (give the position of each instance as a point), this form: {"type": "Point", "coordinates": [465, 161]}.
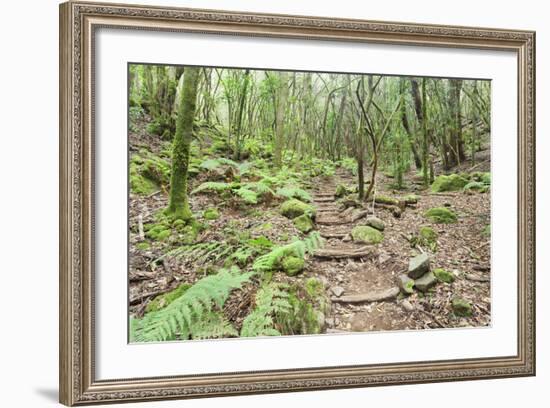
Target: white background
{"type": "Point", "coordinates": [117, 359]}
{"type": "Point", "coordinates": [28, 216]}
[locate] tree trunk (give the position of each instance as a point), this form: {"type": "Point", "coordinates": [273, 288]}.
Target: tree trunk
{"type": "Point", "coordinates": [282, 96]}
{"type": "Point", "coordinates": [456, 143]}
{"type": "Point", "coordinates": [178, 205]}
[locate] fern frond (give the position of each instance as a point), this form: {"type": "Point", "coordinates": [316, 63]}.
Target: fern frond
{"type": "Point", "coordinates": [193, 307]}
{"type": "Point", "coordinates": [211, 164]}
{"type": "Point", "coordinates": [212, 326]}
{"type": "Point", "coordinates": [271, 299]}
{"type": "Point", "coordinates": [248, 196]}
{"type": "Point", "coordinates": [294, 192]}
{"type": "Point", "coordinates": [298, 248]}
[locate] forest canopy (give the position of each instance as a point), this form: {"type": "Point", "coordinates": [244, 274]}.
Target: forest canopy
{"type": "Point", "coordinates": [259, 199]}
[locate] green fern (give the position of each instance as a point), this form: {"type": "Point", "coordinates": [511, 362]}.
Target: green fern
{"type": "Point", "coordinates": [248, 196]}
{"type": "Point", "coordinates": [298, 248]}
{"type": "Point", "coordinates": [271, 299]}
{"type": "Point", "coordinates": [211, 164]}
{"type": "Point", "coordinates": [294, 192]}
{"type": "Point", "coordinates": [213, 325]}
{"type": "Point", "coordinates": [191, 311]}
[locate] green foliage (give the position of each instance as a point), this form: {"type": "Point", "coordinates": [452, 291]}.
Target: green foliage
{"type": "Point", "coordinates": [191, 313]}
{"type": "Point", "coordinates": [381, 199]}
{"type": "Point", "coordinates": [426, 237]}
{"type": "Point", "coordinates": [294, 192]}
{"type": "Point", "coordinates": [212, 325]}
{"type": "Point", "coordinates": [213, 186]}
{"type": "Point", "coordinates": [476, 186]}
{"type": "Point", "coordinates": [247, 192]}
{"type": "Point", "coordinates": [164, 300]}
{"type": "Point", "coordinates": [441, 215]}
{"type": "Point", "coordinates": [271, 299]}
{"type": "Point", "coordinates": [248, 196]}
{"type": "Point", "coordinates": [350, 164]}
{"type": "Point", "coordinates": [299, 248]}
{"type": "Point", "coordinates": [211, 164]}
{"type": "Point", "coordinates": [148, 173]}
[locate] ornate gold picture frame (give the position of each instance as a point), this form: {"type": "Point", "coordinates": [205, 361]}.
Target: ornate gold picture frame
{"type": "Point", "coordinates": [78, 24]}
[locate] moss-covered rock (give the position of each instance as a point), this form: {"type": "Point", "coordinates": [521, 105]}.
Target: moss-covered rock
{"type": "Point", "coordinates": [411, 199]}
{"type": "Point", "coordinates": [294, 208]}
{"type": "Point", "coordinates": [292, 265]}
{"type": "Point", "coordinates": [342, 191]}
{"type": "Point", "coordinates": [483, 177]}
{"type": "Point", "coordinates": [441, 215]}
{"type": "Point", "coordinates": [366, 234]}
{"type": "Point", "coordinates": [375, 223]}
{"type": "Point", "coordinates": [425, 282]}
{"type": "Point", "coordinates": [406, 285]}
{"type": "Point", "coordinates": [157, 232]}
{"type": "Point", "coordinates": [452, 182]}
{"type": "Point", "coordinates": [148, 173]}
{"type": "Point", "coordinates": [486, 231]}
{"type": "Point", "coordinates": [443, 275]}
{"type": "Point", "coordinates": [211, 214]}
{"type": "Point", "coordinates": [461, 307]}
{"type": "Point", "coordinates": [476, 186]}
{"type": "Point", "coordinates": [164, 300]}
{"type": "Point", "coordinates": [303, 223]}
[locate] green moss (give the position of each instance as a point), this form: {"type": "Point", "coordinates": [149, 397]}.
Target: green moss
{"type": "Point", "coordinates": [461, 307]}
{"type": "Point", "coordinates": [476, 186]}
{"type": "Point", "coordinates": [148, 172]}
{"type": "Point", "coordinates": [142, 246]}
{"type": "Point", "coordinates": [366, 234]}
{"type": "Point", "coordinates": [486, 231]}
{"type": "Point", "coordinates": [211, 214]}
{"type": "Point", "coordinates": [294, 208]}
{"type": "Point", "coordinates": [314, 287]}
{"type": "Point", "coordinates": [411, 199]}
{"type": "Point", "coordinates": [292, 265]}
{"type": "Point", "coordinates": [164, 300]}
{"type": "Point", "coordinates": [381, 199]}
{"type": "Point", "coordinates": [158, 232]}
{"type": "Point", "coordinates": [444, 275]}
{"type": "Point", "coordinates": [483, 177]}
{"type": "Point", "coordinates": [426, 237]}
{"type": "Point", "coordinates": [342, 191]}
{"type": "Point", "coordinates": [303, 223]}
{"type": "Point", "coordinates": [441, 215]}
{"type": "Point", "coordinates": [452, 182]}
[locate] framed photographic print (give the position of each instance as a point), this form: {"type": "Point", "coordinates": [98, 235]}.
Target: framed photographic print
{"type": "Point", "coordinates": [263, 203]}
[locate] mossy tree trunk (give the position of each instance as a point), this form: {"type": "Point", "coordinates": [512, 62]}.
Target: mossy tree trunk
{"type": "Point", "coordinates": [425, 147]}
{"type": "Point", "coordinates": [178, 205]}
{"type": "Point", "coordinates": [282, 96]}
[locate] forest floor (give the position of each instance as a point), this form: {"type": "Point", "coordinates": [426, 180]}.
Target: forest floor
{"type": "Point", "coordinates": [462, 248]}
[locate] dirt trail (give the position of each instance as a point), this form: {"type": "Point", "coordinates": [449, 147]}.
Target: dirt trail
{"type": "Point", "coordinates": [350, 274]}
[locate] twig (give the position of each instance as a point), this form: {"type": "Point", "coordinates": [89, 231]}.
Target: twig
{"type": "Point", "coordinates": [140, 228]}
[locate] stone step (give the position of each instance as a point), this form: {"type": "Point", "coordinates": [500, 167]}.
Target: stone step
{"type": "Point", "coordinates": [323, 199]}
{"type": "Point", "coordinates": [344, 252]}
{"type": "Point", "coordinates": [374, 296]}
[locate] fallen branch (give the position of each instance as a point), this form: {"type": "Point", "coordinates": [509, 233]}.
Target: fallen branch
{"type": "Point", "coordinates": [369, 297]}
{"type": "Point", "coordinates": [139, 298]}
{"type": "Point", "coordinates": [362, 252]}
{"type": "Point", "coordinates": [140, 228]}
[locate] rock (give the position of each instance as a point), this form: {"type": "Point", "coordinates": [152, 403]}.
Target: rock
{"type": "Point", "coordinates": [452, 182]}
{"type": "Point", "coordinates": [375, 296]}
{"type": "Point", "coordinates": [425, 282]}
{"type": "Point", "coordinates": [444, 275]}
{"type": "Point", "coordinates": [411, 199]}
{"type": "Point", "coordinates": [330, 322]}
{"type": "Point", "coordinates": [347, 238]}
{"type": "Point", "coordinates": [337, 290]}
{"type": "Point", "coordinates": [366, 234]}
{"type": "Point", "coordinates": [441, 215]}
{"type": "Point", "coordinates": [376, 223]}
{"type": "Point", "coordinates": [292, 265]}
{"type": "Point", "coordinates": [303, 223]}
{"type": "Point", "coordinates": [418, 266]}
{"type": "Point", "coordinates": [407, 305]}
{"type": "Point", "coordinates": [406, 284]}
{"type": "Point", "coordinates": [211, 214]}
{"type": "Point", "coordinates": [294, 208]}
{"type": "Point", "coordinates": [461, 307]}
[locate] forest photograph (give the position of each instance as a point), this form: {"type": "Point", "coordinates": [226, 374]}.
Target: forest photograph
{"type": "Point", "coordinates": [278, 203]}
